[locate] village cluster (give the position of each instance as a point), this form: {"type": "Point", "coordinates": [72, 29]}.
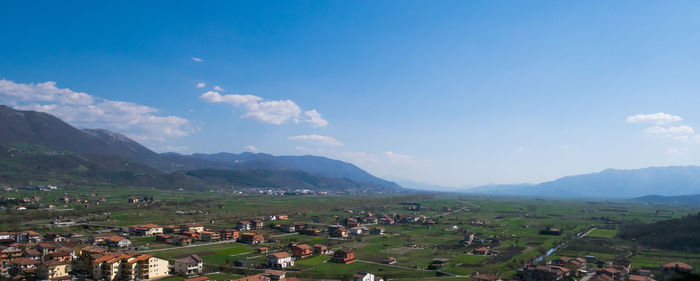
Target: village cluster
{"type": "Point", "coordinates": [110, 255]}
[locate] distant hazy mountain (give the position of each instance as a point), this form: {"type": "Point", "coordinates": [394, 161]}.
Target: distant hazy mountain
{"type": "Point", "coordinates": [501, 189]}
{"type": "Point", "coordinates": [316, 165]}
{"type": "Point", "coordinates": [611, 183]}
{"type": "Point", "coordinates": [426, 186]}
{"type": "Point", "coordinates": [34, 139]}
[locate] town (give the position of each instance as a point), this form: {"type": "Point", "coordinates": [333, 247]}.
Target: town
{"type": "Point", "coordinates": [438, 238]}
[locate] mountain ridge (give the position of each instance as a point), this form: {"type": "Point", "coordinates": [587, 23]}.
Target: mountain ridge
{"type": "Point", "coordinates": [52, 136]}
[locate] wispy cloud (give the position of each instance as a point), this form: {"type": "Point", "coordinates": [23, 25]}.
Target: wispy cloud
{"type": "Point", "coordinates": [682, 130]}
{"type": "Point", "coordinates": [196, 59]}
{"type": "Point", "coordinates": [217, 88]}
{"type": "Point", "coordinates": [317, 140]}
{"type": "Point", "coordinates": [201, 85]}
{"type": "Point", "coordinates": [252, 148]}
{"type": "Point", "coordinates": [274, 112]}
{"type": "Point", "coordinates": [658, 118]}
{"type": "Point", "coordinates": [676, 150]}
{"type": "Point", "coordinates": [83, 110]}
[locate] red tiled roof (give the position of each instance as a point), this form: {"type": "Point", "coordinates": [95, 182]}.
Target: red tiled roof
{"type": "Point", "coordinates": [281, 255]}
{"type": "Point", "coordinates": [680, 265]}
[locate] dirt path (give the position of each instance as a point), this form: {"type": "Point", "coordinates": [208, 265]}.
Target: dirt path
{"type": "Point", "coordinates": [190, 246]}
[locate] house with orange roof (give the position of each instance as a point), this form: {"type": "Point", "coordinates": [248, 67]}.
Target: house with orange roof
{"type": "Point", "coordinates": [145, 229]}
{"type": "Point", "coordinates": [344, 256]}
{"type": "Point", "coordinates": [302, 251]}
{"type": "Point", "coordinates": [210, 236]}
{"type": "Point", "coordinates": [125, 266]}
{"type": "Point", "coordinates": [229, 234]}
{"type": "Point", "coordinates": [252, 238]}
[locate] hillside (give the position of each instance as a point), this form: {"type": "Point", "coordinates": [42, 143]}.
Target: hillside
{"type": "Point", "coordinates": [673, 234]}
{"type": "Point", "coordinates": [610, 183]}
{"type": "Point", "coordinates": [40, 128]}
{"type": "Point", "coordinates": [284, 179]}
{"type": "Point", "coordinates": [40, 146]}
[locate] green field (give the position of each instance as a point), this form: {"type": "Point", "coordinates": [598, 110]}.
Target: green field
{"type": "Point", "coordinates": [514, 223]}
{"type": "Point", "coordinates": [603, 233]}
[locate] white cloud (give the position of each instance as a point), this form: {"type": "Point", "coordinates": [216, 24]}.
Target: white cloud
{"type": "Point", "coordinates": [658, 118]}
{"type": "Point", "coordinates": [315, 119]}
{"type": "Point", "coordinates": [252, 148]}
{"type": "Point", "coordinates": [196, 59]}
{"type": "Point", "coordinates": [401, 159]}
{"type": "Point", "coordinates": [86, 111]}
{"type": "Point", "coordinates": [676, 150]}
{"type": "Point", "coordinates": [520, 148]}
{"type": "Point", "coordinates": [274, 112]}
{"type": "Point", "coordinates": [217, 88]}
{"type": "Point", "coordinates": [201, 85]}
{"type": "Point", "coordinates": [318, 140]}
{"type": "Point", "coordinates": [682, 130]}
{"type": "Point", "coordinates": [11, 92]}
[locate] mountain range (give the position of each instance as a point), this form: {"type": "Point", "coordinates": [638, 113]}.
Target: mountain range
{"type": "Point", "coordinates": [609, 183]}
{"type": "Point", "coordinates": [38, 147]}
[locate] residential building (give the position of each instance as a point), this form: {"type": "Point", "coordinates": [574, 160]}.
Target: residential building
{"type": "Point", "coordinates": [288, 228]}
{"type": "Point", "coordinates": [252, 238]}
{"type": "Point", "coordinates": [356, 231]}
{"type": "Point", "coordinates": [192, 227]}
{"type": "Point", "coordinates": [543, 273]}
{"type": "Point", "coordinates": [280, 260]}
{"type": "Point", "coordinates": [302, 251]}
{"type": "Point", "coordinates": [320, 249]}
{"type": "Point", "coordinates": [244, 225]}
{"type": "Point", "coordinates": [675, 267]}
{"type": "Point", "coordinates": [229, 234]}
{"type": "Point", "coordinates": [343, 256]}
{"type": "Point", "coordinates": [23, 266]}
{"type": "Point", "coordinates": [145, 229]}
{"type": "Point", "coordinates": [171, 229]}
{"type": "Point", "coordinates": [210, 236]}
{"type": "Point", "coordinates": [188, 266]}
{"type": "Point", "coordinates": [54, 270]}
{"type": "Point", "coordinates": [123, 266]}
{"type": "Point", "coordinates": [365, 276]}
{"type": "Point", "coordinates": [117, 242]}
{"type": "Point", "coordinates": [257, 224]}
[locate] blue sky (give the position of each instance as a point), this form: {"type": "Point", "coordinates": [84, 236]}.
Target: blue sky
{"type": "Point", "coordinates": [445, 92]}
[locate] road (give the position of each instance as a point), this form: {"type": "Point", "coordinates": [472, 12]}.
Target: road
{"type": "Point", "coordinates": [587, 232]}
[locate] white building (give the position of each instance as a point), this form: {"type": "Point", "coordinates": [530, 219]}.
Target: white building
{"type": "Point", "coordinates": [366, 276]}
{"type": "Point", "coordinates": [280, 260]}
